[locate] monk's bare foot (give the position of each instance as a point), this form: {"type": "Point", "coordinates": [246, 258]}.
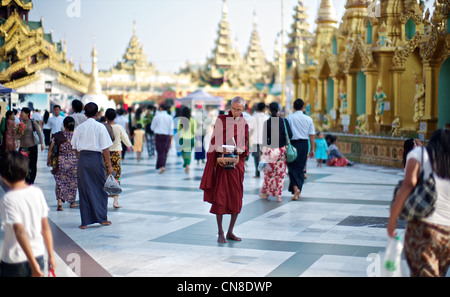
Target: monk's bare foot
{"type": "Point", "coordinates": [221, 239]}
{"type": "Point", "coordinates": [231, 236]}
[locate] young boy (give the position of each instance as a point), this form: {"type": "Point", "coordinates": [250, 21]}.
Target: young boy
{"type": "Point", "coordinates": [24, 214]}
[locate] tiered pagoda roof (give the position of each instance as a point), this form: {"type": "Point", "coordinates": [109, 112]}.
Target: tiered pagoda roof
{"type": "Point", "coordinates": [299, 38]}
{"type": "Point", "coordinates": [255, 57]}
{"type": "Point", "coordinates": [134, 58]}
{"type": "Point", "coordinates": [25, 50]}
{"type": "Point", "coordinates": [226, 68]}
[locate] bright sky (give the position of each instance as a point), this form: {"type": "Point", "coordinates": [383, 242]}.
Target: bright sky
{"type": "Point", "coordinates": [171, 31]}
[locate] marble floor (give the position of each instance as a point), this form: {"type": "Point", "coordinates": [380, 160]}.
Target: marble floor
{"type": "Point", "coordinates": [164, 228]}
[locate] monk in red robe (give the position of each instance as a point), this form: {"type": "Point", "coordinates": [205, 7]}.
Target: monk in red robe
{"type": "Point", "coordinates": [224, 188]}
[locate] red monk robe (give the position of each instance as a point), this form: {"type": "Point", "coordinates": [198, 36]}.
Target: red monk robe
{"type": "Point", "coordinates": [224, 188]}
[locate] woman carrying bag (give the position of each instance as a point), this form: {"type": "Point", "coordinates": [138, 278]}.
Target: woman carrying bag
{"type": "Point", "coordinates": [278, 132]}
{"type": "Point", "coordinates": [28, 146]}
{"type": "Point", "coordinates": [427, 239]}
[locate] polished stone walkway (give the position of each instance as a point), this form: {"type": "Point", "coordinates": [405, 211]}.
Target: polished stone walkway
{"type": "Point", "coordinates": [165, 228]}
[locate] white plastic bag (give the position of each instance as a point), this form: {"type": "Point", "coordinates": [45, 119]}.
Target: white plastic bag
{"type": "Point", "coordinates": [392, 260]}
{"type": "Point", "coordinates": [262, 165]}
{"type": "Point", "coordinates": [112, 187]}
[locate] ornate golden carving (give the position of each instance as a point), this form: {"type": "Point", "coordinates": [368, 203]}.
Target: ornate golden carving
{"type": "Point", "coordinates": [364, 51]}
{"type": "Point", "coordinates": [329, 58]}
{"type": "Point", "coordinates": [428, 47]}
{"type": "Point", "coordinates": [22, 81]}
{"type": "Point", "coordinates": [414, 11]}
{"type": "Point", "coordinates": [402, 54]}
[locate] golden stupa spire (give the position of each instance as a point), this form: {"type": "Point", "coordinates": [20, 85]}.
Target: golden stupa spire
{"type": "Point", "coordinates": [299, 37]}
{"type": "Point", "coordinates": [224, 10]}
{"type": "Point", "coordinates": [255, 57]}
{"type": "Point", "coordinates": [353, 19]}
{"type": "Point", "coordinates": [223, 52]}
{"type": "Point", "coordinates": [94, 87]}
{"type": "Point", "coordinates": [327, 14]}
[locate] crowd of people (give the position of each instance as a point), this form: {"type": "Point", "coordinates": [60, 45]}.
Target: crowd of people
{"type": "Point", "coordinates": [88, 145]}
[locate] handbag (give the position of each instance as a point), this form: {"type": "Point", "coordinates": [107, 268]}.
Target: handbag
{"type": "Point", "coordinates": [422, 200]}
{"type": "Point", "coordinates": [36, 138]}
{"type": "Point", "coordinates": [291, 151]}
{"type": "Point", "coordinates": [112, 186]}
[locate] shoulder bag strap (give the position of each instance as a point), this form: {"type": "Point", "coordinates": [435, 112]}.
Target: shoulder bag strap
{"type": "Point", "coordinates": [421, 168]}
{"type": "Point", "coordinates": [286, 132]}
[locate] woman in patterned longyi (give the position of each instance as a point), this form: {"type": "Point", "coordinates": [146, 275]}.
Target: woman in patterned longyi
{"type": "Point", "coordinates": [66, 169]}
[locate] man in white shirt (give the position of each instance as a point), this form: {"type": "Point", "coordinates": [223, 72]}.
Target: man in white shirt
{"type": "Point", "coordinates": [36, 116]}
{"type": "Point", "coordinates": [302, 127]}
{"type": "Point", "coordinates": [257, 125]}
{"type": "Point", "coordinates": [162, 126]}
{"type": "Point", "coordinates": [91, 140]}
{"type": "Point", "coordinates": [56, 121]}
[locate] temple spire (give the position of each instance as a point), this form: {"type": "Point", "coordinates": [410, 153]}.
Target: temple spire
{"type": "Point", "coordinates": [327, 14]}
{"type": "Point", "coordinates": [299, 37]}
{"type": "Point", "coordinates": [94, 87]}
{"type": "Point", "coordinates": [353, 19]}
{"type": "Point", "coordinates": [224, 10]}
{"type": "Point", "coordinates": [223, 53]}
{"type": "Point", "coordinates": [255, 57]}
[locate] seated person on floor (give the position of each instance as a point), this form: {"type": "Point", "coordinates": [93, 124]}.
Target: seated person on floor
{"type": "Point", "coordinates": [335, 158]}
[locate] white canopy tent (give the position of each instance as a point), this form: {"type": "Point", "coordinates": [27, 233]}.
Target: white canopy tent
{"type": "Point", "coordinates": [200, 97]}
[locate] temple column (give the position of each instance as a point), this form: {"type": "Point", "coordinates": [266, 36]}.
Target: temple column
{"type": "Point", "coordinates": [351, 99]}
{"type": "Point", "coordinates": [371, 84]}
{"type": "Point", "coordinates": [396, 92]}
{"type": "Point", "coordinates": [312, 90]}
{"type": "Point", "coordinates": [428, 124]}
{"type": "Point", "coordinates": [320, 95]}
{"type": "Point", "coordinates": [335, 115]}
{"type": "Point", "coordinates": [386, 81]}
{"type": "Point", "coordinates": [303, 88]}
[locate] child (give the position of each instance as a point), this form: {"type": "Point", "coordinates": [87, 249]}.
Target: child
{"type": "Point", "coordinates": [24, 213]}
{"type": "Point", "coordinates": [321, 149]}
{"type": "Point", "coordinates": [138, 135]}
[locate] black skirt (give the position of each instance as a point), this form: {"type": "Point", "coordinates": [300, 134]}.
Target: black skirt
{"type": "Point", "coordinates": [295, 169]}
{"type": "Point", "coordinates": [91, 173]}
